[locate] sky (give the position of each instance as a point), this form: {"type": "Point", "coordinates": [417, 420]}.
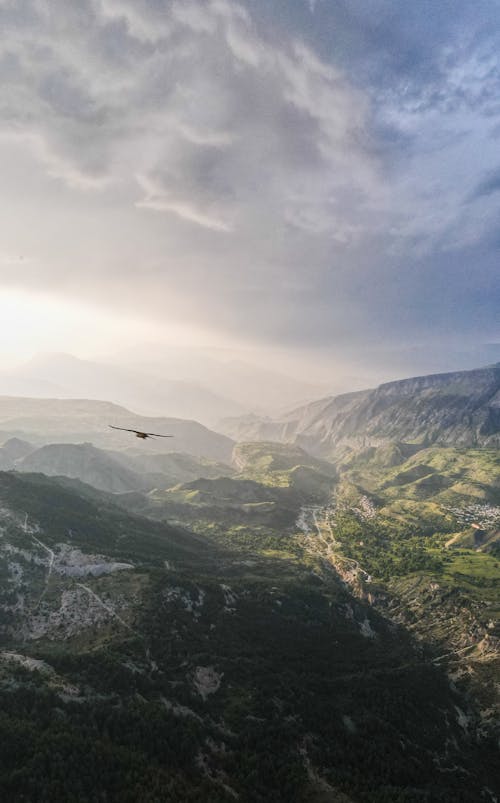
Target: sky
{"type": "Point", "coordinates": [313, 183]}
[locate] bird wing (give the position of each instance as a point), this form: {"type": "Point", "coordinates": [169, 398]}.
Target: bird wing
{"type": "Point", "coordinates": [155, 435]}
{"type": "Point", "coordinates": [126, 430]}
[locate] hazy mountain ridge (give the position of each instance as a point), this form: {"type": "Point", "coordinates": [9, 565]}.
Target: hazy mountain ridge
{"type": "Point", "coordinates": [66, 376]}
{"type": "Point", "coordinates": [173, 467]}
{"type": "Point", "coordinates": [86, 463]}
{"type": "Point", "coordinates": [16, 448]}
{"type": "Point", "coordinates": [42, 421]}
{"type": "Point", "coordinates": [202, 389]}
{"type": "Point", "coordinates": [111, 471]}
{"type": "Point", "coordinates": [459, 408]}
{"type": "Point", "coordinates": [251, 385]}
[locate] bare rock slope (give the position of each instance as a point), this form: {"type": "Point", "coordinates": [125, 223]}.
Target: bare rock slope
{"type": "Point", "coordinates": [454, 409]}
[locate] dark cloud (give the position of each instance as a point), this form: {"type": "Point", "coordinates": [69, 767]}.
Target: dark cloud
{"type": "Point", "coordinates": [411, 49]}
{"type": "Point", "coordinates": [488, 185]}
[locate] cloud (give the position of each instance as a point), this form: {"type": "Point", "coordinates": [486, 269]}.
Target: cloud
{"type": "Point", "coordinates": [142, 21]}
{"type": "Point", "coordinates": [275, 181]}
{"type": "Point", "coordinates": [488, 185]}
{"type": "Point", "coordinates": [218, 115]}
{"type": "Point", "coordinates": [159, 201]}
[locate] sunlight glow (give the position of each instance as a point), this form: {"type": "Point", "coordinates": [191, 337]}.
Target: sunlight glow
{"type": "Point", "coordinates": [34, 322]}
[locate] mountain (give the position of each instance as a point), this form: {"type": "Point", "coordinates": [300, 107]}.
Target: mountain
{"type": "Point", "coordinates": [252, 386]}
{"type": "Point", "coordinates": [117, 472]}
{"type": "Point", "coordinates": [152, 393]}
{"type": "Point", "coordinates": [16, 448]}
{"type": "Point", "coordinates": [445, 475]}
{"type": "Point", "coordinates": [86, 463]}
{"type": "Point", "coordinates": [43, 421]}
{"type": "Point", "coordinates": [252, 427]}
{"type": "Point", "coordinates": [18, 382]}
{"type": "Point", "coordinates": [173, 467]}
{"type": "Point", "coordinates": [12, 450]}
{"type": "Point", "coordinates": [269, 484]}
{"type": "Point", "coordinates": [257, 388]}
{"type": "Point", "coordinates": [139, 661]}
{"type": "Point", "coordinates": [180, 386]}
{"type": "Point", "coordinates": [460, 408]}
{"type": "Point", "coordinates": [285, 466]}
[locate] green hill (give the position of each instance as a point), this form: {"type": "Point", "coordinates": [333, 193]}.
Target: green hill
{"type": "Point", "coordinates": [269, 484]}
{"type": "Point", "coordinates": [445, 475]}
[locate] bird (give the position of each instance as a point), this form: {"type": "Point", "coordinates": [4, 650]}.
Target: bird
{"type": "Point", "coordinates": [142, 435]}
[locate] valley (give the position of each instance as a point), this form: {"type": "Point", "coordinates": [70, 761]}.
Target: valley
{"type": "Point", "coordinates": [249, 401]}
{"type": "Point", "coordinates": [211, 644]}
{"type": "Point", "coordinates": [275, 627]}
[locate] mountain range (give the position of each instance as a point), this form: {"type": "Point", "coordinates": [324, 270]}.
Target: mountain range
{"type": "Point", "coordinates": [44, 421]}
{"type": "Point", "coordinates": [460, 408]}
{"type": "Point", "coordinates": [106, 470]}
{"type": "Point", "coordinates": [205, 390]}
{"type": "Point", "coordinates": [310, 617]}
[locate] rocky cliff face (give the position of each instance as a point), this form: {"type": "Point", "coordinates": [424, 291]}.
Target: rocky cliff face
{"type": "Point", "coordinates": [456, 409]}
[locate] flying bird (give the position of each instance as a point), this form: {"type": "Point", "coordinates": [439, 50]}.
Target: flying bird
{"type": "Point", "coordinates": [142, 435]}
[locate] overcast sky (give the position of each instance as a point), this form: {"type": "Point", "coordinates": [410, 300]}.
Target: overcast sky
{"type": "Point", "coordinates": [297, 177]}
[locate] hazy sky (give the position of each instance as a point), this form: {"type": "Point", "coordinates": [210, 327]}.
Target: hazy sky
{"type": "Point", "coordinates": [295, 176]}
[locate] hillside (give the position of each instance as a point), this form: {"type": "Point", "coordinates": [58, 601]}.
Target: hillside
{"type": "Point", "coordinates": [455, 409]}
{"type": "Point", "coordinates": [86, 463]}
{"type": "Point", "coordinates": [419, 537]}
{"type": "Point", "coordinates": [445, 475]}
{"type": "Point", "coordinates": [413, 532]}
{"type": "Point", "coordinates": [13, 449]}
{"type": "Point", "coordinates": [16, 448]}
{"type": "Point", "coordinates": [271, 461]}
{"type": "Point", "coordinates": [141, 662]}
{"type": "Point", "coordinates": [269, 484]}
{"type": "Point", "coordinates": [43, 421]}
{"type": "Point", "coordinates": [172, 467]}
